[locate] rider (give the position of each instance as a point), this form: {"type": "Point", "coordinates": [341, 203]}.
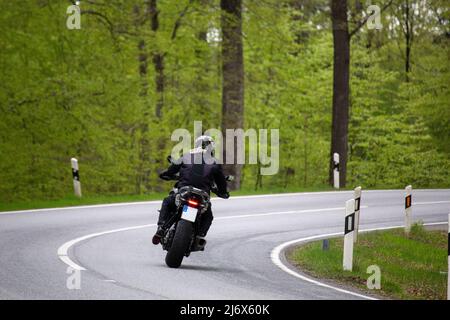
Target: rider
{"type": "Point", "coordinates": [194, 171]}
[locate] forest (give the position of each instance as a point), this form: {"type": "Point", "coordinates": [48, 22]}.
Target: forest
{"type": "Point", "coordinates": [110, 87]}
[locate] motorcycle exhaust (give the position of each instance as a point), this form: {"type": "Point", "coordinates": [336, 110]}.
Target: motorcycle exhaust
{"type": "Point", "coordinates": [200, 243]}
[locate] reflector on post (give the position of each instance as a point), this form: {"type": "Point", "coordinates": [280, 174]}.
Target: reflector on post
{"type": "Point", "coordinates": [76, 177]}
{"type": "Point", "coordinates": [408, 208]}
{"type": "Point", "coordinates": [348, 234]}
{"type": "Point", "coordinates": [357, 196]}
{"type": "Point", "coordinates": [336, 170]}
{"type": "Point", "coordinates": [448, 259]}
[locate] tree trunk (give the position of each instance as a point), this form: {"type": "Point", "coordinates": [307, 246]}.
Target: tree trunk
{"type": "Point", "coordinates": [142, 172]}
{"type": "Point", "coordinates": [142, 54]}
{"type": "Point", "coordinates": [408, 31]}
{"type": "Point", "coordinates": [341, 71]}
{"type": "Point", "coordinates": [158, 59]}
{"type": "Point", "coordinates": [232, 78]}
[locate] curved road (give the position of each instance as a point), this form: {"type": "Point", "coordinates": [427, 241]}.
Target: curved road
{"type": "Point", "coordinates": [235, 265]}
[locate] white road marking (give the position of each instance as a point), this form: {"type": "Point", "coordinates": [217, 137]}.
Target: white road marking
{"type": "Point", "coordinates": [70, 263]}
{"type": "Point", "coordinates": [159, 201]}
{"type": "Point", "coordinates": [277, 251]}
{"type": "Point", "coordinates": [94, 206]}
{"type": "Point", "coordinates": [283, 212]}
{"type": "Point", "coordinates": [63, 251]}
{"type": "Point", "coordinates": [294, 194]}
{"type": "Point", "coordinates": [431, 202]}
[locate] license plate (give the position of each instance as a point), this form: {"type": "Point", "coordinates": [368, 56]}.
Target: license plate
{"type": "Point", "coordinates": [189, 213]}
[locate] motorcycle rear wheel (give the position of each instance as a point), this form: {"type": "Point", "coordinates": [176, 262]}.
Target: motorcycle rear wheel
{"type": "Point", "coordinates": [180, 244]}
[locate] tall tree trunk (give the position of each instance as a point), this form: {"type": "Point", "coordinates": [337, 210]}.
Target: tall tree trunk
{"type": "Point", "coordinates": [232, 78]}
{"type": "Point", "coordinates": [408, 35]}
{"type": "Point", "coordinates": [142, 54]}
{"type": "Point", "coordinates": [158, 59]}
{"type": "Point", "coordinates": [341, 71]}
{"type": "Point", "coordinates": [142, 172]}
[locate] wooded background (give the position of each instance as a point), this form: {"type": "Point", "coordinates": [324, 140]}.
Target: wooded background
{"type": "Point", "coordinates": [112, 92]}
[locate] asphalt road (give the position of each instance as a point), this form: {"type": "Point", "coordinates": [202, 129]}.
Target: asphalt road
{"type": "Point", "coordinates": [235, 265]}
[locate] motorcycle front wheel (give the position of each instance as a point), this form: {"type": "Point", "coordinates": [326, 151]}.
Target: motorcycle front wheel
{"type": "Point", "coordinates": [180, 244]}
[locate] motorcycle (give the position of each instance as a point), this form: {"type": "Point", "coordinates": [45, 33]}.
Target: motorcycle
{"type": "Point", "coordinates": [181, 235]}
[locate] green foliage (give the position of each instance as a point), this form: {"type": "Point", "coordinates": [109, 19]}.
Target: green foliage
{"type": "Point", "coordinates": [399, 131]}
{"type": "Point", "coordinates": [79, 93]}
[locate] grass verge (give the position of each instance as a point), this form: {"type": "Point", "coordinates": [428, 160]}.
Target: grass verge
{"type": "Point", "coordinates": [91, 200]}
{"type": "Point", "coordinates": [413, 267]}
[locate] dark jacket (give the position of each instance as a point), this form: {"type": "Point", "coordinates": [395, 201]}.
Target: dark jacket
{"type": "Point", "coordinates": [197, 173]}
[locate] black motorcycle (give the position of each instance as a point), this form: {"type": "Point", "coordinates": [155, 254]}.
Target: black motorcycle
{"type": "Point", "coordinates": [181, 235]}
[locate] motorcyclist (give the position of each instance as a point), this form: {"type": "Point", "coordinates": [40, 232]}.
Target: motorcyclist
{"type": "Point", "coordinates": [199, 169]}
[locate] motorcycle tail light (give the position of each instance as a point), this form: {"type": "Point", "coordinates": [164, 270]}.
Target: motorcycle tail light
{"type": "Point", "coordinates": [193, 202]}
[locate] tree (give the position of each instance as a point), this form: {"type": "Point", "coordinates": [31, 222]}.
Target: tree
{"type": "Point", "coordinates": [341, 85]}
{"type": "Point", "coordinates": [232, 78]}
{"type": "Point", "coordinates": [158, 59]}
{"type": "Point", "coordinates": [341, 88]}
{"type": "Point", "coordinates": [92, 93]}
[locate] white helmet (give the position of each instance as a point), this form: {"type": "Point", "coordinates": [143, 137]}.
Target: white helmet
{"type": "Point", "coordinates": [205, 143]}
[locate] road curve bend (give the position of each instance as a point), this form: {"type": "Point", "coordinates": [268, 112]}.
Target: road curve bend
{"type": "Point", "coordinates": [111, 247]}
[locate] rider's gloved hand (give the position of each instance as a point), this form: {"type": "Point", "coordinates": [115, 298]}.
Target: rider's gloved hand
{"type": "Point", "coordinates": [225, 195]}
{"type": "Point", "coordinates": [163, 175]}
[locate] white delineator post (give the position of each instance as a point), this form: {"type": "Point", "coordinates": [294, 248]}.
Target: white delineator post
{"type": "Point", "coordinates": [357, 196]}
{"type": "Point", "coordinates": [448, 260]}
{"type": "Point", "coordinates": [408, 208]}
{"type": "Point", "coordinates": [336, 170]}
{"type": "Point", "coordinates": [76, 177]}
{"type": "Point", "coordinates": [348, 234]}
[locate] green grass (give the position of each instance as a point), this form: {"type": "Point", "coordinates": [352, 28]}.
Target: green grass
{"type": "Point", "coordinates": [90, 200]}
{"type": "Point", "coordinates": [411, 267]}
